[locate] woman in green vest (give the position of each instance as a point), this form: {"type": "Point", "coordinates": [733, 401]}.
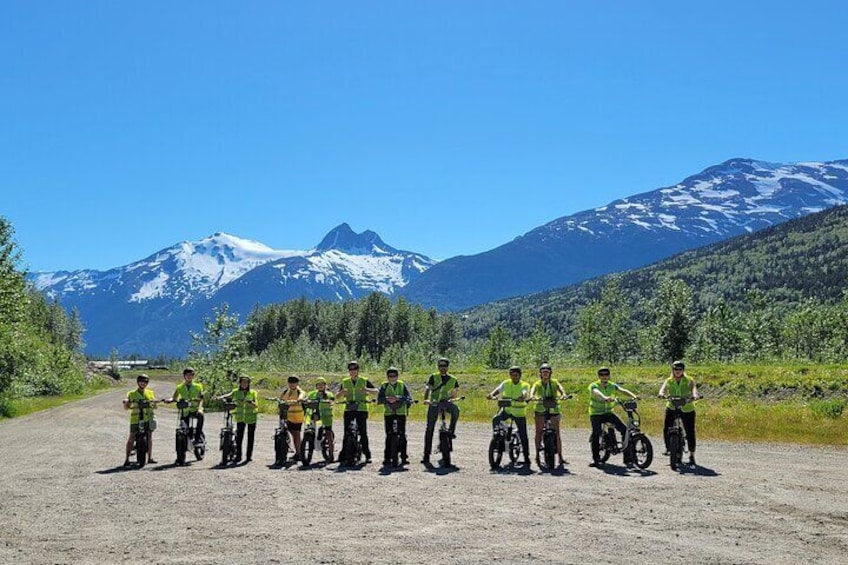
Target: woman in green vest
{"type": "Point", "coordinates": [246, 401]}
{"type": "Point", "coordinates": [679, 384]}
{"type": "Point", "coordinates": [396, 398]}
{"type": "Point", "coordinates": [518, 391]}
{"type": "Point", "coordinates": [547, 388]}
{"type": "Point", "coordinates": [601, 403]}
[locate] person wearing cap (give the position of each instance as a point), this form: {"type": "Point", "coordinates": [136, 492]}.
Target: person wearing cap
{"type": "Point", "coordinates": [325, 399]}
{"type": "Point", "coordinates": [395, 396]}
{"type": "Point", "coordinates": [356, 389]}
{"type": "Point", "coordinates": [518, 391]}
{"type": "Point", "coordinates": [440, 386]}
{"type": "Point", "coordinates": [245, 414]}
{"type": "Point", "coordinates": [680, 384]}
{"type": "Point", "coordinates": [192, 393]}
{"type": "Point", "coordinates": [601, 403]}
{"type": "Point", "coordinates": [292, 395]}
{"type": "Point", "coordinates": [547, 388]}
{"type": "Point", "coordinates": [129, 403]}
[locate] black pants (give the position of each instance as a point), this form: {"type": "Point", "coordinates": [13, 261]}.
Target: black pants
{"type": "Point", "coordinates": [198, 428]}
{"type": "Point", "coordinates": [251, 433]}
{"type": "Point", "coordinates": [401, 424]}
{"type": "Point", "coordinates": [362, 424]}
{"type": "Point", "coordinates": [688, 419]}
{"type": "Point", "coordinates": [521, 424]}
{"type": "Point", "coordinates": [597, 422]}
{"type": "Point", "coordinates": [432, 416]}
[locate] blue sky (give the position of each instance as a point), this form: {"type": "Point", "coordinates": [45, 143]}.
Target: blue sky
{"type": "Point", "coordinates": [447, 127]}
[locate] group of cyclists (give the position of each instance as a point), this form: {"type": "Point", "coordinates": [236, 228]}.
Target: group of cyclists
{"type": "Point", "coordinates": [439, 394]}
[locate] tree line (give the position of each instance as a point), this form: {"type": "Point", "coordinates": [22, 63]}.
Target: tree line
{"type": "Point", "coordinates": [40, 343]}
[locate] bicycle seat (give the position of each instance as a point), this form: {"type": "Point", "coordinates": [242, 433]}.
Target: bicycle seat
{"type": "Point", "coordinates": [630, 405]}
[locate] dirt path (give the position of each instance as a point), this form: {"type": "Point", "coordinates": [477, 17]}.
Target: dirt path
{"type": "Point", "coordinates": [62, 500]}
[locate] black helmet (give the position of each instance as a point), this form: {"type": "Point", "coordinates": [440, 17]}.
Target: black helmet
{"type": "Point", "coordinates": [293, 379]}
{"type": "Point", "coordinates": [678, 365]}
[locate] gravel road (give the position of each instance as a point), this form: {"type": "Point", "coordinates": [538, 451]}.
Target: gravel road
{"type": "Point", "coordinates": [64, 499]}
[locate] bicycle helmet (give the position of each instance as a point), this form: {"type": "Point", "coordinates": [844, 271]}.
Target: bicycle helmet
{"type": "Point", "coordinates": [392, 370]}
{"type": "Point", "coordinates": [188, 371]}
{"type": "Point", "coordinates": [515, 369]}
{"type": "Point", "coordinates": [544, 366]}
{"type": "Point", "coordinates": [443, 362]}
{"type": "Point", "coordinates": [678, 365]}
{"type": "Point", "coordinates": [320, 381]}
{"type": "Point", "coordinates": [603, 370]}
{"type": "Point", "coordinates": [293, 379]}
{"type": "Point", "coordinates": [244, 378]}
{"type": "Point", "coordinates": [142, 378]}
{"type": "Point", "coordinates": [352, 365]}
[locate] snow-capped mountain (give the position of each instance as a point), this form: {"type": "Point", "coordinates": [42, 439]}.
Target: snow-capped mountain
{"type": "Point", "coordinates": [150, 305]}
{"type": "Point", "coordinates": [729, 199]}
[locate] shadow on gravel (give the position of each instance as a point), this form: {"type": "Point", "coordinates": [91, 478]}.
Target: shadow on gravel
{"type": "Point", "coordinates": [699, 471]}
{"type": "Point", "coordinates": [558, 472]}
{"type": "Point", "coordinates": [167, 466]}
{"type": "Point", "coordinates": [118, 469]}
{"type": "Point", "coordinates": [345, 468]}
{"type": "Point", "coordinates": [440, 470]}
{"type": "Point", "coordinates": [514, 469]}
{"type": "Point", "coordinates": [616, 470]}
{"type": "Point", "coordinates": [390, 470]}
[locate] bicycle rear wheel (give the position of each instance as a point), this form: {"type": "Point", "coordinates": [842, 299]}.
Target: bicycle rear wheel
{"type": "Point", "coordinates": [514, 449]}
{"type": "Point", "coordinates": [327, 447]}
{"type": "Point", "coordinates": [182, 447]}
{"type": "Point", "coordinates": [393, 446]}
{"type": "Point", "coordinates": [227, 445]}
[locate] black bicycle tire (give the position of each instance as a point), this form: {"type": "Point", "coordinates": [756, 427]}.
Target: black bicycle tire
{"type": "Point", "coordinates": [642, 451]}
{"type": "Point", "coordinates": [495, 453]}
{"type": "Point", "coordinates": [307, 448]}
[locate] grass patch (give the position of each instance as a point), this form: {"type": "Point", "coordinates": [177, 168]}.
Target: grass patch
{"type": "Point", "coordinates": [16, 407]}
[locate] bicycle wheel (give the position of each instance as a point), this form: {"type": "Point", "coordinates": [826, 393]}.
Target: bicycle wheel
{"type": "Point", "coordinates": [641, 451]}
{"type": "Point", "coordinates": [496, 451]}
{"type": "Point", "coordinates": [307, 447]}
{"type": "Point", "coordinates": [514, 449]}
{"type": "Point", "coordinates": [393, 446]}
{"type": "Point", "coordinates": [281, 447]}
{"type": "Point", "coordinates": [606, 446]}
{"type": "Point", "coordinates": [674, 449]}
{"type": "Point", "coordinates": [199, 451]}
{"type": "Point", "coordinates": [445, 448]}
{"type": "Point", "coordinates": [226, 446]}
{"type": "Point", "coordinates": [349, 449]}
{"type": "Point", "coordinates": [182, 447]}
{"type": "Point", "coordinates": [141, 448]}
{"type": "Point", "coordinates": [549, 446]}
{"type": "Point", "coordinates": [327, 448]}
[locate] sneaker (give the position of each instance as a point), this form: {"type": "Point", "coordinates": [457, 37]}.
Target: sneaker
{"type": "Point", "coordinates": [595, 464]}
{"type": "Point", "coordinates": [629, 464]}
{"type": "Point", "coordinates": [248, 460]}
{"type": "Point", "coordinates": [453, 435]}
{"type": "Point", "coordinates": [127, 463]}
{"type": "Point", "coordinates": [666, 453]}
{"type": "Point", "coordinates": [404, 461]}
{"type": "Point", "coordinates": [152, 461]}
{"type": "Point", "coordinates": [425, 461]}
{"type": "Point", "coordinates": [691, 460]}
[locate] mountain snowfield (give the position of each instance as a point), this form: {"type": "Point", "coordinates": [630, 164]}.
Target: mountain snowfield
{"type": "Point", "coordinates": [736, 197]}
{"type": "Point", "coordinates": [168, 293]}
{"type": "Point", "coordinates": [151, 305]}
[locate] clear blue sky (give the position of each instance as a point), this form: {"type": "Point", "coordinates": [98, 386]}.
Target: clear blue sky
{"type": "Point", "coordinates": [448, 127]}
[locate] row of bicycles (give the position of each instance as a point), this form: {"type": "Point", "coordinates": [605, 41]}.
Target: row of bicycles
{"type": "Point", "coordinates": [635, 445]}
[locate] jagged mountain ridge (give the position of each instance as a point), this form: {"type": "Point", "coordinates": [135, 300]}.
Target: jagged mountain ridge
{"type": "Point", "coordinates": [736, 197]}
{"type": "Point", "coordinates": [150, 305]}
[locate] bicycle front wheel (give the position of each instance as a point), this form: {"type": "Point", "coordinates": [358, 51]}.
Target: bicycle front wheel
{"type": "Point", "coordinates": [549, 445]}
{"type": "Point", "coordinates": [495, 452]}
{"type": "Point", "coordinates": [642, 451]}
{"type": "Point", "coordinates": [445, 447]}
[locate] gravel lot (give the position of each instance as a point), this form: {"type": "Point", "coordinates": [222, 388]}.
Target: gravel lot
{"type": "Point", "coordinates": [64, 499]}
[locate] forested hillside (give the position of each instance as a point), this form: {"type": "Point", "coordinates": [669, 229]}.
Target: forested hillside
{"type": "Point", "coordinates": [39, 342]}
{"type": "Point", "coordinates": [784, 279]}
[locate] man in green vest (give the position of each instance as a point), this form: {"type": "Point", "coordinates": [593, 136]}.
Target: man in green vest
{"type": "Point", "coordinates": [192, 393]}
{"type": "Point", "coordinates": [601, 403]}
{"type": "Point", "coordinates": [441, 386]}
{"type": "Point", "coordinates": [395, 396]}
{"type": "Point", "coordinates": [681, 385]}
{"type": "Point", "coordinates": [518, 391]}
{"type": "Point", "coordinates": [131, 403]}
{"type": "Point", "coordinates": [355, 389]}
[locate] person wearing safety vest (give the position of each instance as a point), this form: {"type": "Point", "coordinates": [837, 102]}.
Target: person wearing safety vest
{"type": "Point", "coordinates": [192, 393]}
{"type": "Point", "coordinates": [293, 394]}
{"type": "Point", "coordinates": [681, 385]}
{"type": "Point", "coordinates": [518, 391]}
{"type": "Point", "coordinates": [355, 390]}
{"type": "Point", "coordinates": [547, 388]}
{"type": "Point", "coordinates": [397, 399]}
{"type": "Point", "coordinates": [601, 403]}
{"type": "Point", "coordinates": [245, 414]}
{"type": "Point", "coordinates": [325, 400]}
{"type": "Point", "coordinates": [441, 386]}
{"type": "Point", "coordinates": [130, 403]}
